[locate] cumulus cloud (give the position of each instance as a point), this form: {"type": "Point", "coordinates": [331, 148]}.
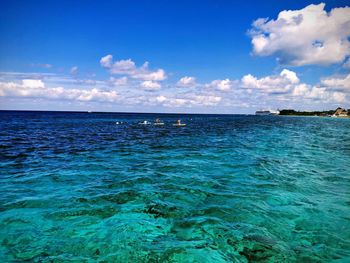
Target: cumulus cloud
{"type": "Point", "coordinates": [337, 83]}
{"type": "Point", "coordinates": [190, 100]}
{"type": "Point", "coordinates": [288, 84]}
{"type": "Point", "coordinates": [177, 102]}
{"type": "Point", "coordinates": [150, 85]}
{"type": "Point", "coordinates": [186, 82]}
{"type": "Point", "coordinates": [206, 100]}
{"type": "Point", "coordinates": [106, 61]}
{"type": "Point", "coordinates": [33, 83]}
{"type": "Point", "coordinates": [36, 89]}
{"type": "Point", "coordinates": [118, 81]}
{"type": "Point", "coordinates": [161, 98]}
{"type": "Point", "coordinates": [281, 83]}
{"type": "Point", "coordinates": [290, 75]}
{"type": "Point", "coordinates": [305, 91]}
{"type": "Point", "coordinates": [223, 85]}
{"type": "Point", "coordinates": [129, 68]}
{"type": "Point", "coordinates": [303, 37]}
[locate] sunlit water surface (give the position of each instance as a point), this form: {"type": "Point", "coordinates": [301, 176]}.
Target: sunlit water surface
{"type": "Point", "coordinates": [77, 187]}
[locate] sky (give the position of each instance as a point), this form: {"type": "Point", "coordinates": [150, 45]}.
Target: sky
{"type": "Point", "coordinates": [174, 56]}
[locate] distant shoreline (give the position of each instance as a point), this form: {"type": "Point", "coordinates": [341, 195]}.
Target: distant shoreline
{"type": "Point", "coordinates": [344, 117]}
{"type": "Point", "coordinates": [338, 113]}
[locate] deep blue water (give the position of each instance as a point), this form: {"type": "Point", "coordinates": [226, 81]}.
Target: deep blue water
{"type": "Point", "coordinates": [76, 187]}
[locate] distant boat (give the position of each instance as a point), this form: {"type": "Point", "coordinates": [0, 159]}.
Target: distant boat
{"type": "Point", "coordinates": [145, 123]}
{"type": "Point", "coordinates": [266, 112]}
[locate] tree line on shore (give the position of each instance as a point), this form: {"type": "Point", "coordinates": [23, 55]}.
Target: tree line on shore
{"type": "Point", "coordinates": [309, 113]}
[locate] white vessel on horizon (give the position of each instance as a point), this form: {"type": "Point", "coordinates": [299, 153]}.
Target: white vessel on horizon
{"type": "Point", "coordinates": [266, 112]}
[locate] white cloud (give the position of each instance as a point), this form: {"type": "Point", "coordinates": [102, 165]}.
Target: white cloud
{"type": "Point", "coordinates": [306, 36]}
{"type": "Point", "coordinates": [286, 86]}
{"type": "Point", "coordinates": [305, 91]}
{"type": "Point", "coordinates": [337, 83]}
{"type": "Point", "coordinates": [129, 68]}
{"type": "Point", "coordinates": [206, 100]}
{"type": "Point", "coordinates": [86, 81]}
{"type": "Point", "coordinates": [178, 102]}
{"type": "Point", "coordinates": [36, 89]}
{"type": "Point", "coordinates": [33, 83]}
{"type": "Point", "coordinates": [123, 66]}
{"type": "Point", "coordinates": [186, 82]}
{"type": "Point", "coordinates": [150, 85]}
{"type": "Point", "coordinates": [223, 85]}
{"type": "Point", "coordinates": [106, 61]}
{"type": "Point", "coordinates": [190, 100]}
{"type": "Point", "coordinates": [310, 92]}
{"type": "Point", "coordinates": [272, 84]}
{"type": "Point", "coordinates": [118, 81]}
{"type": "Point", "coordinates": [249, 81]}
{"type": "Point", "coordinates": [339, 97]}
{"type": "Point", "coordinates": [290, 75]}
{"type": "Point", "coordinates": [161, 99]}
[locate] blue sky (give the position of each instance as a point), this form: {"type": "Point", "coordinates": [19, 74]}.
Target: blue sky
{"type": "Point", "coordinates": [210, 56]}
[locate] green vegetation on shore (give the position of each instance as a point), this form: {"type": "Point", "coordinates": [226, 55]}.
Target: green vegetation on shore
{"type": "Point", "coordinates": [310, 113]}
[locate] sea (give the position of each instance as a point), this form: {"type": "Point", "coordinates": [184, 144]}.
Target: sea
{"type": "Point", "coordinates": [100, 187]}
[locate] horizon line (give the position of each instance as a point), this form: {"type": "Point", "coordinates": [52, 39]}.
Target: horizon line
{"type": "Point", "coordinates": [126, 112]}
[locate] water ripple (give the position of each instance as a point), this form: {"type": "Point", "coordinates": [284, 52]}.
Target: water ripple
{"type": "Point", "coordinates": [77, 187]}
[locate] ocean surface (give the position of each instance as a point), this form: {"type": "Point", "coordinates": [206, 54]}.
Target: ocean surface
{"type": "Point", "coordinates": [77, 187]}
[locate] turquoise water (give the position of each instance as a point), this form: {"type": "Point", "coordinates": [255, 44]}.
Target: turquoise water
{"type": "Point", "coordinates": [76, 187]}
